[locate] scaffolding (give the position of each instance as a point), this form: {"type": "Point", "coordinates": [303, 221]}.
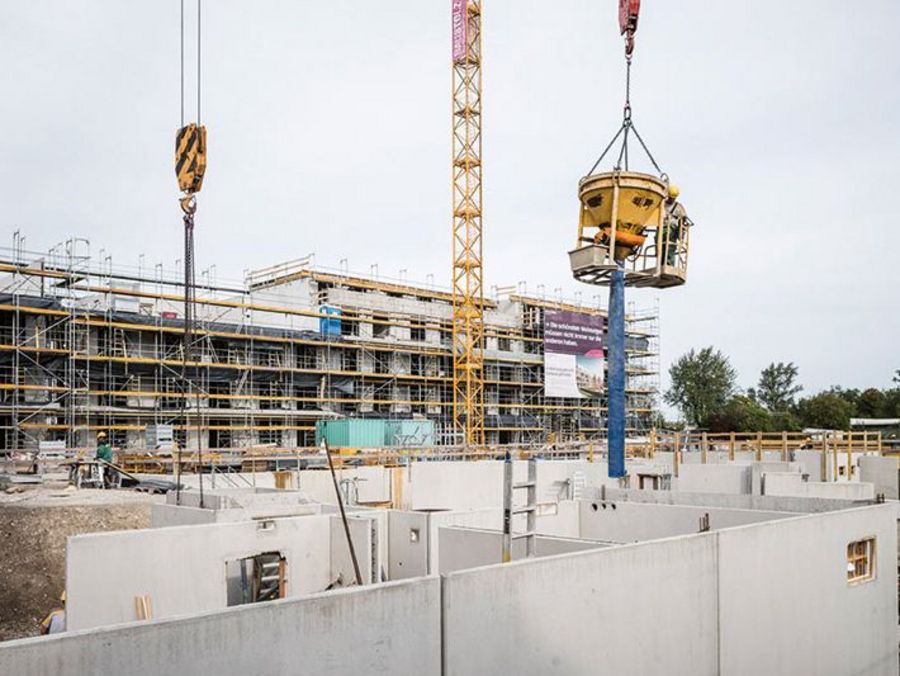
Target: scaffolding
{"type": "Point", "coordinates": [86, 346]}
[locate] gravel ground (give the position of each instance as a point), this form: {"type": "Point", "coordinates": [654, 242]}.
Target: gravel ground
{"type": "Point", "coordinates": [34, 525]}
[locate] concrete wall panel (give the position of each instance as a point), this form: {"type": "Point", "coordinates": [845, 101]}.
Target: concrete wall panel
{"type": "Point", "coordinates": [463, 548]}
{"type": "Point", "coordinates": [389, 629]}
{"type": "Point", "coordinates": [882, 473]}
{"type": "Point", "coordinates": [800, 505]}
{"type": "Point", "coordinates": [624, 521]}
{"type": "Point", "coordinates": [786, 606]}
{"type": "Point", "coordinates": [362, 537]}
{"type": "Point", "coordinates": [610, 611]}
{"type": "Point", "coordinates": [182, 569]}
{"type": "Point", "coordinates": [713, 478]}
{"type": "Point", "coordinates": [408, 535]}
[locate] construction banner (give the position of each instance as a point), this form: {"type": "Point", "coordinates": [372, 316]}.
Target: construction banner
{"type": "Point", "coordinates": [460, 29]}
{"type": "Point", "coordinates": [573, 354]}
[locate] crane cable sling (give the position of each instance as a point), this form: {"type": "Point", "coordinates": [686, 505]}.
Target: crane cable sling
{"type": "Point", "coordinates": [626, 128]}
{"type": "Point", "coordinates": [199, 17]}
{"type": "Point", "coordinates": [189, 207]}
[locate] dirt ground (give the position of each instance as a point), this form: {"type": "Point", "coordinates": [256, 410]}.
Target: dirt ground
{"type": "Point", "coordinates": [34, 525]}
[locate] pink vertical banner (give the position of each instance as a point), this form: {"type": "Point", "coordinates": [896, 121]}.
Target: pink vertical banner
{"type": "Point", "coordinates": [460, 29]}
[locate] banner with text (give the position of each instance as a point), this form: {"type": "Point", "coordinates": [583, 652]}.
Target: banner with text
{"type": "Point", "coordinates": [460, 26]}
{"type": "Point", "coordinates": [573, 354]}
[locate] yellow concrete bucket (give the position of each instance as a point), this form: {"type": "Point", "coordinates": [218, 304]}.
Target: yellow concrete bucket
{"type": "Point", "coordinates": [630, 200]}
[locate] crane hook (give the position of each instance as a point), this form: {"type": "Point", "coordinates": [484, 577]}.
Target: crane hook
{"type": "Point", "coordinates": [189, 204]}
{"type": "Point", "coordinates": [628, 21]}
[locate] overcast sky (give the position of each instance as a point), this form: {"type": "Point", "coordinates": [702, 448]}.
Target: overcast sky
{"type": "Point", "coordinates": [329, 132]}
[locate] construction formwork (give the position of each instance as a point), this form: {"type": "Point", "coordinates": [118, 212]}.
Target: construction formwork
{"type": "Point", "coordinates": [86, 346]}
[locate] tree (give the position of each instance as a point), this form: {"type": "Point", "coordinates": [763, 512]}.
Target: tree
{"type": "Point", "coordinates": [871, 403]}
{"type": "Point", "coordinates": [897, 376]}
{"type": "Point", "coordinates": [826, 410]}
{"type": "Point", "coordinates": [702, 382]}
{"type": "Point", "coordinates": [777, 386]}
{"type": "Point", "coordinates": [891, 406]}
{"type": "Point", "coordinates": [740, 414]}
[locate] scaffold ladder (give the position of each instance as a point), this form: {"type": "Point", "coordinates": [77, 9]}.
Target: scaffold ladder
{"type": "Point", "coordinates": [529, 509]}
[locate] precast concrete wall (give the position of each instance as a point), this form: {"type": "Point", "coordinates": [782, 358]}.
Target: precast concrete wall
{"type": "Point", "coordinates": [633, 609]}
{"type": "Point", "coordinates": [363, 534]}
{"type": "Point", "coordinates": [455, 485]}
{"type": "Point", "coordinates": [559, 519]}
{"type": "Point", "coordinates": [476, 485]}
{"type": "Point", "coordinates": [758, 469]}
{"type": "Point", "coordinates": [408, 537]}
{"type": "Point", "coordinates": [474, 518]}
{"type": "Point", "coordinates": [882, 473]}
{"type": "Point", "coordinates": [813, 464]}
{"type": "Point", "coordinates": [393, 628]}
{"type": "Point", "coordinates": [713, 478]}
{"type": "Point", "coordinates": [767, 598]}
{"type": "Point", "coordinates": [799, 505]}
{"type": "Point", "coordinates": [464, 548]}
{"type": "Point", "coordinates": [790, 484]}
{"type": "Point", "coordinates": [623, 521]}
{"type": "Point", "coordinates": [183, 569]}
{"type": "Point", "coordinates": [786, 606]}
{"type": "Point", "coordinates": [368, 484]}
{"type": "Point", "coordinates": [415, 546]}
{"type": "Point", "coordinates": [165, 515]}
{"type": "Point", "coordinates": [562, 519]}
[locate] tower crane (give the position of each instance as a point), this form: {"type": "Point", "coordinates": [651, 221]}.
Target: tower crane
{"type": "Point", "coordinates": [467, 271]}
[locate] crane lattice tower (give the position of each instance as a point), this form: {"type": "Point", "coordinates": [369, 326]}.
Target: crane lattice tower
{"type": "Point", "coordinates": [468, 292]}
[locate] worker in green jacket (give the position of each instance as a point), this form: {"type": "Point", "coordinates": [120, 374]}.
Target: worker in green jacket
{"type": "Point", "coordinates": [104, 450]}
{"type": "Point", "coordinates": [104, 453]}
{"type": "Point", "coordinates": [670, 234]}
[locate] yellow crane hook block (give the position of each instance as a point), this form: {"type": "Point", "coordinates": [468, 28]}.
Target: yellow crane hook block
{"type": "Point", "coordinates": [190, 158]}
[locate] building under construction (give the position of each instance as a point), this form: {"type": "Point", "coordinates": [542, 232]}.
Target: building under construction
{"type": "Point", "coordinates": [89, 347]}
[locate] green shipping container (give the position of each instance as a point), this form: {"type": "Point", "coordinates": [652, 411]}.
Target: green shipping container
{"type": "Point", "coordinates": [374, 433]}
{"type": "Point", "coordinates": [410, 433]}
{"type": "Point", "coordinates": [351, 433]}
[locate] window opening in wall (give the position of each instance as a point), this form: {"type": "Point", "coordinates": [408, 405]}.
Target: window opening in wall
{"type": "Point", "coordinates": [380, 327]}
{"type": "Point", "coordinates": [269, 437]}
{"type": "Point", "coordinates": [417, 333]}
{"type": "Point", "coordinates": [349, 327]}
{"type": "Point", "coordinates": [256, 578]}
{"type": "Point", "coordinates": [861, 560]}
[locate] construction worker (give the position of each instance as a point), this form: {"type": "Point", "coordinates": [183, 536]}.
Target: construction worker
{"type": "Point", "coordinates": [104, 455]}
{"type": "Point", "coordinates": [55, 622]}
{"type": "Point", "coordinates": [671, 229]}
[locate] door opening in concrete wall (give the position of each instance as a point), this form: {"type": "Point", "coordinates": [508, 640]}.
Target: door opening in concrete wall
{"type": "Point", "coordinates": [861, 560]}
{"type": "Point", "coordinates": [256, 578]}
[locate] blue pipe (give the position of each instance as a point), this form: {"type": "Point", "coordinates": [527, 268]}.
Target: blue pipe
{"type": "Point", "coordinates": [615, 355]}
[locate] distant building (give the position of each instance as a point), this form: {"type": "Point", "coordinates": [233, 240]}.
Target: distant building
{"type": "Point", "coordinates": [87, 347]}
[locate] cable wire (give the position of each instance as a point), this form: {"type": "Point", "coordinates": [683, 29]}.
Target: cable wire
{"type": "Point", "coordinates": [182, 63]}
{"type": "Point", "coordinates": [622, 160]}
{"type": "Point", "coordinates": [199, 4]}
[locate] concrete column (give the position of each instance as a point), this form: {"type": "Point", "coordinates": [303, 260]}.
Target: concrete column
{"type": "Point", "coordinates": [616, 374]}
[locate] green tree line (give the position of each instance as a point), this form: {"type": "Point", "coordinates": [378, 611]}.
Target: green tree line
{"type": "Point", "coordinates": [704, 388]}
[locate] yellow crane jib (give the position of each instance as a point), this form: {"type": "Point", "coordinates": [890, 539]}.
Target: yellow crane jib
{"type": "Point", "coordinates": [190, 161]}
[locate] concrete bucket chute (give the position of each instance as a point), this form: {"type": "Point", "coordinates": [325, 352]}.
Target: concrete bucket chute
{"type": "Point", "coordinates": [629, 218]}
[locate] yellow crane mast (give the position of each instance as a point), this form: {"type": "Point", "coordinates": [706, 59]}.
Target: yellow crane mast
{"type": "Point", "coordinates": [468, 291]}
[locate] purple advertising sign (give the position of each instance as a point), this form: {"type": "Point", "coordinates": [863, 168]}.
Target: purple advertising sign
{"type": "Point", "coordinates": [573, 354]}
{"type": "Point", "coordinates": [460, 29]}
{"type": "Point", "coordinates": [573, 333]}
